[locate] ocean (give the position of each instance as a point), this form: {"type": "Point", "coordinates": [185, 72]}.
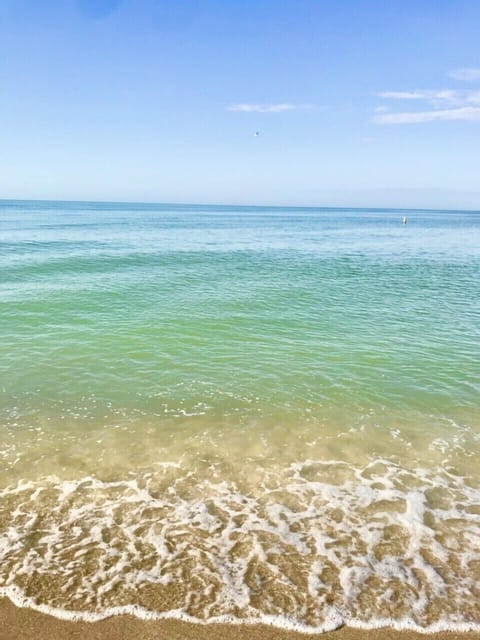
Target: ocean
{"type": "Point", "coordinates": [222, 413]}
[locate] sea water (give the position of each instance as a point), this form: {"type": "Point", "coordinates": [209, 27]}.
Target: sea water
{"type": "Point", "coordinates": [241, 413]}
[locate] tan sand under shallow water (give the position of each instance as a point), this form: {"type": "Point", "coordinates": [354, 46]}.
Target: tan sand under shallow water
{"type": "Point", "coordinates": [310, 541]}
{"type": "Point", "coordinates": [25, 624]}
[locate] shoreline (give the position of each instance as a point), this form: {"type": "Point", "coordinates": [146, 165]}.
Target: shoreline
{"type": "Point", "coordinates": [19, 623]}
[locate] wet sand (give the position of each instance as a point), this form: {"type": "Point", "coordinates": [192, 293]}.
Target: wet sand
{"type": "Point", "coordinates": [25, 624]}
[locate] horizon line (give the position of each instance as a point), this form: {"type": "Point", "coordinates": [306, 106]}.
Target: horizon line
{"type": "Point", "coordinates": [240, 206]}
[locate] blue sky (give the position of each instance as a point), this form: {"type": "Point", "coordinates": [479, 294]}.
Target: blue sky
{"type": "Point", "coordinates": [357, 102]}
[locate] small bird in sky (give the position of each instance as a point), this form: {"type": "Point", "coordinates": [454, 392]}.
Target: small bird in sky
{"type": "Point", "coordinates": [256, 134]}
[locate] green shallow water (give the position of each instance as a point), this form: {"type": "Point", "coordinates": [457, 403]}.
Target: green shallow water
{"type": "Point", "coordinates": [238, 344]}
{"type": "Point", "coordinates": [178, 306]}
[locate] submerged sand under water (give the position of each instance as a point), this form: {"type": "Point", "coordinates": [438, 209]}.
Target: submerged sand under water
{"type": "Point", "coordinates": [308, 544]}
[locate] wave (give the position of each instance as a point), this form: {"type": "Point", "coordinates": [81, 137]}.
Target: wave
{"type": "Point", "coordinates": [309, 546]}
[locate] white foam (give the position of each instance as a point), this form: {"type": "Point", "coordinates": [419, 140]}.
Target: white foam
{"type": "Point", "coordinates": [300, 552]}
{"type": "Point", "coordinates": [335, 619]}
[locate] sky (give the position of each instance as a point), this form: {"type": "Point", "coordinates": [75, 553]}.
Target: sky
{"type": "Point", "coordinates": [368, 103]}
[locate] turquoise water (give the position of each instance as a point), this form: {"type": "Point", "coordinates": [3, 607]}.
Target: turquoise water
{"type": "Point", "coordinates": [309, 362]}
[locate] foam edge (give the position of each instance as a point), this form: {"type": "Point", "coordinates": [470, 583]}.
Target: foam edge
{"type": "Point", "coordinates": [335, 621]}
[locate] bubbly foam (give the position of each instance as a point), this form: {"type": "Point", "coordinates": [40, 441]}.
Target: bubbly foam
{"type": "Point", "coordinates": [308, 546]}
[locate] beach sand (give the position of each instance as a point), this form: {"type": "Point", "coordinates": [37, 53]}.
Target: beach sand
{"type": "Point", "coordinates": [25, 624]}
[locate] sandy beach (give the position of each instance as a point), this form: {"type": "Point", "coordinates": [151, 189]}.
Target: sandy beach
{"type": "Point", "coordinates": [25, 624]}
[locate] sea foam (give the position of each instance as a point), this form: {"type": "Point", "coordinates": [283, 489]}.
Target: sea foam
{"type": "Point", "coordinates": [311, 546]}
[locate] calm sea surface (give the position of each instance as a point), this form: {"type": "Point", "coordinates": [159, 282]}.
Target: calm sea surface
{"type": "Point", "coordinates": [230, 413]}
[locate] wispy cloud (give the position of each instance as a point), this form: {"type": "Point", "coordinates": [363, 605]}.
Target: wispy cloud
{"type": "Point", "coordinates": [466, 75]}
{"type": "Point", "coordinates": [440, 97]}
{"type": "Point", "coordinates": [267, 108]}
{"type": "Point", "coordinates": [406, 117]}
{"type": "Point", "coordinates": [421, 94]}
{"type": "Point", "coordinates": [439, 104]}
